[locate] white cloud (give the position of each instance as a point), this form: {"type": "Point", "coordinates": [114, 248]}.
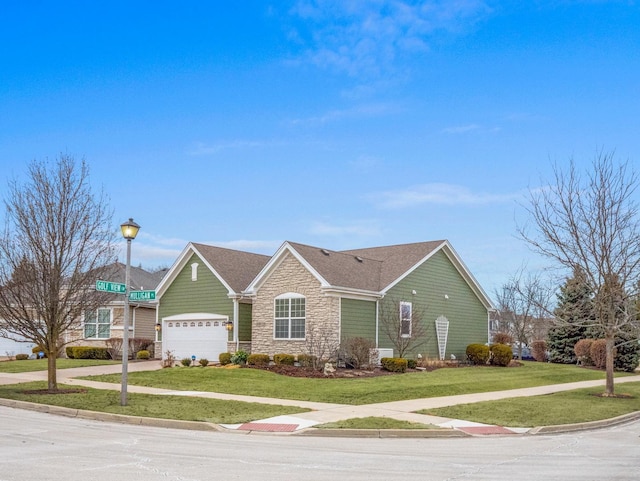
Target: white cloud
{"type": "Point", "coordinates": [439, 194]}
{"type": "Point", "coordinates": [367, 38]}
{"type": "Point", "coordinates": [202, 148]}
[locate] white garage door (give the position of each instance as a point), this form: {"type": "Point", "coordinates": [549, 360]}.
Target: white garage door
{"type": "Point", "coordinates": [200, 335]}
{"type": "Point", "coordinates": [11, 347]}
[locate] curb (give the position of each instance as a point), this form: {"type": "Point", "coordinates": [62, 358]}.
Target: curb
{"type": "Point", "coordinates": [336, 433]}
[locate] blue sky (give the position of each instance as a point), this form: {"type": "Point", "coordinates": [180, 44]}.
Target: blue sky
{"type": "Point", "coordinates": [339, 124]}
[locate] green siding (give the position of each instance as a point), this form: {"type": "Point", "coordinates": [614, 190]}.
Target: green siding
{"type": "Point", "coordinates": [206, 294]}
{"type": "Point", "coordinates": [358, 319]}
{"type": "Point", "coordinates": [244, 330]}
{"type": "Point", "coordinates": [467, 315]}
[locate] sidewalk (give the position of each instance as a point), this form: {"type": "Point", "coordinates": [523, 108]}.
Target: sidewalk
{"type": "Point", "coordinates": [322, 413]}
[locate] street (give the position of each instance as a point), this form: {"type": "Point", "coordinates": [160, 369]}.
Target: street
{"type": "Point", "coordinates": [37, 446]}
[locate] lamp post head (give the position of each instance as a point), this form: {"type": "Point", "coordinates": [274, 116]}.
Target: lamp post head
{"type": "Point", "coordinates": [129, 229]}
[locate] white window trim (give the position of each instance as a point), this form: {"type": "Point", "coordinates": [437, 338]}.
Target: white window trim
{"type": "Point", "coordinates": [403, 319]}
{"type": "Point", "coordinates": [84, 323]}
{"type": "Point", "coordinates": [289, 296]}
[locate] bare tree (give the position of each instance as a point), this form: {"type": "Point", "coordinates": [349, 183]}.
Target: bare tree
{"type": "Point", "coordinates": [57, 236]}
{"type": "Point", "coordinates": [523, 305]}
{"type": "Point", "coordinates": [591, 223]}
{"type": "Point", "coordinates": [402, 322]}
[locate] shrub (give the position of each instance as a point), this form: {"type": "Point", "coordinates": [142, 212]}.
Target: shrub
{"type": "Point", "coordinates": [539, 350]}
{"type": "Point", "coordinates": [598, 353]}
{"type": "Point", "coordinates": [114, 347]}
{"type": "Point", "coordinates": [186, 361]}
{"type": "Point", "coordinates": [258, 360]}
{"type": "Point", "coordinates": [87, 352]}
{"type": "Point", "coordinates": [503, 338]}
{"type": "Point", "coordinates": [22, 357]}
{"type": "Point", "coordinates": [627, 354]}
{"type": "Point", "coordinates": [583, 352]}
{"type": "Point", "coordinates": [284, 359]}
{"type": "Point", "coordinates": [394, 364]}
{"type": "Point", "coordinates": [224, 358]}
{"type": "Point", "coordinates": [139, 344]}
{"type": "Point", "coordinates": [169, 359]}
{"type": "Point", "coordinates": [239, 357]}
{"type": "Point", "coordinates": [478, 354]}
{"type": "Point", "coordinates": [204, 362]}
{"type": "Point", "coordinates": [306, 360]}
{"type": "Point", "coordinates": [356, 352]}
{"type": "Point", "coordinates": [501, 355]}
{"type": "Point", "coordinates": [412, 363]}
{"type": "Point", "coordinates": [143, 354]}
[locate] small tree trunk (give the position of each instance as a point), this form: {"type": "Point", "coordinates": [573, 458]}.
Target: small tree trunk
{"type": "Point", "coordinates": [609, 390]}
{"type": "Point", "coordinates": [51, 371]}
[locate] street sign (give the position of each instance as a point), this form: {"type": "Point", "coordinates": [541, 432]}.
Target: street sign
{"type": "Point", "coordinates": [142, 295]}
{"type": "Point", "coordinates": [115, 287]}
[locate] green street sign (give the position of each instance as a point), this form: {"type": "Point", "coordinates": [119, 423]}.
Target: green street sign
{"type": "Point", "coordinates": [142, 295]}
{"type": "Point", "coordinates": [115, 287]}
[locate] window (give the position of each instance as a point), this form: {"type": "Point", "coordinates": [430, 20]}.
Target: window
{"type": "Point", "coordinates": [97, 324]}
{"type": "Point", "coordinates": [289, 317]}
{"type": "Point", "coordinates": [405, 319]}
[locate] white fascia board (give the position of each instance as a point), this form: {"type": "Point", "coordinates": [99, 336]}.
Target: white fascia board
{"type": "Point", "coordinates": [273, 264]}
{"type": "Point", "coordinates": [460, 266]}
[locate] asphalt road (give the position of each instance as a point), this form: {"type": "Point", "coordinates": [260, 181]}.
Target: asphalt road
{"type": "Point", "coordinates": [36, 446]}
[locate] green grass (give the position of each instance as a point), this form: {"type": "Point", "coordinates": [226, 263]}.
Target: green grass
{"type": "Point", "coordinates": [581, 405]}
{"type": "Point", "coordinates": [442, 382]}
{"type": "Point", "coordinates": [147, 405]}
{"type": "Point", "coordinates": [375, 423]}
{"type": "Point", "coordinates": [41, 364]}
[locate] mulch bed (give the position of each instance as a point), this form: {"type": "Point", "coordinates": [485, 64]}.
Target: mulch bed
{"type": "Point", "coordinates": [296, 371]}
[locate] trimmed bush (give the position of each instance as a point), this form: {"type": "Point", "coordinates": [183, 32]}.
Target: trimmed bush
{"type": "Point", "coordinates": [412, 363]}
{"type": "Point", "coordinates": [204, 362]}
{"type": "Point", "coordinates": [258, 360]}
{"type": "Point", "coordinates": [394, 364]}
{"type": "Point", "coordinates": [583, 352]}
{"type": "Point", "coordinates": [22, 357]}
{"type": "Point", "coordinates": [539, 350]}
{"type": "Point", "coordinates": [143, 354]}
{"type": "Point", "coordinates": [478, 354]}
{"type": "Point", "coordinates": [501, 355]}
{"type": "Point", "coordinates": [224, 358]}
{"type": "Point", "coordinates": [284, 359]}
{"type": "Point", "coordinates": [87, 352]}
{"type": "Point", "coordinates": [239, 357]}
{"type": "Point", "coordinates": [598, 353]}
{"type": "Point", "coordinates": [306, 360]}
{"type": "Point", "coordinates": [186, 361]}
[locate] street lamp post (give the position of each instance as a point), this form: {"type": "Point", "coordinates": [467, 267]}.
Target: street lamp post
{"type": "Point", "coordinates": [129, 232]}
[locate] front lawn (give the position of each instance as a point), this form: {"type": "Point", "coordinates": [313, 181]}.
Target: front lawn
{"type": "Point", "coordinates": [30, 365]}
{"type": "Point", "coordinates": [148, 405]}
{"type": "Point", "coordinates": [442, 382]}
{"type": "Point", "coordinates": [581, 405]}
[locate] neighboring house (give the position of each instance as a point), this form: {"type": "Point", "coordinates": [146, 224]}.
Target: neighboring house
{"type": "Point", "coordinates": [107, 321]}
{"type": "Point", "coordinates": [275, 304]}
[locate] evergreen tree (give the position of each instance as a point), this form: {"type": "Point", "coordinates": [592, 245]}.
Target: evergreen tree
{"type": "Point", "coordinates": [575, 308]}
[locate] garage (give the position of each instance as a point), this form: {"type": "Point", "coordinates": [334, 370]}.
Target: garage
{"type": "Point", "coordinates": [201, 335]}
{"type": "Point", "coordinates": [11, 347]}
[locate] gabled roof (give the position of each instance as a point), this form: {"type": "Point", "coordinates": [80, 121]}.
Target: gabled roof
{"type": "Point", "coordinates": [370, 271]}
{"type": "Point", "coordinates": [139, 279]}
{"type": "Point", "coordinates": [235, 269]}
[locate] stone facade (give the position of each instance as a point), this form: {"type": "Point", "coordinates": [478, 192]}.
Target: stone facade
{"type": "Point", "coordinates": [322, 311]}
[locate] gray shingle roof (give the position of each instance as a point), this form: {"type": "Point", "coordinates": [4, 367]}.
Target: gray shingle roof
{"type": "Point", "coordinates": [371, 269]}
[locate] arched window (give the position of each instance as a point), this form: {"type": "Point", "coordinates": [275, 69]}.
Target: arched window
{"type": "Point", "coordinates": [289, 316]}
